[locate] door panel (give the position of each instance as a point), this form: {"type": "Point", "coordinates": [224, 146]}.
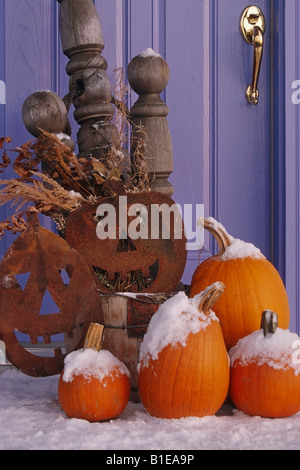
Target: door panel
{"type": "Point", "coordinates": [210, 120]}
{"type": "Point", "coordinates": [222, 146]}
{"type": "Point", "coordinates": [288, 208]}
{"type": "Point", "coordinates": [241, 157]}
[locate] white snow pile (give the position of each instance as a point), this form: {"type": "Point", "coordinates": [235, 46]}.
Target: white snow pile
{"type": "Point", "coordinates": [280, 350]}
{"type": "Point", "coordinates": [238, 248]}
{"type": "Point", "coordinates": [149, 53]}
{"type": "Point", "coordinates": [31, 419]}
{"type": "Point", "coordinates": [241, 249]}
{"type": "Point", "coordinates": [62, 136]}
{"type": "Point", "coordinates": [91, 363]}
{"type": "Point", "coordinates": [175, 319]}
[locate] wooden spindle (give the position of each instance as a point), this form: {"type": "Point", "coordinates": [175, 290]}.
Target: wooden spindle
{"type": "Point", "coordinates": [89, 85]}
{"type": "Point", "coordinates": [148, 75]}
{"type": "Point", "coordinates": [46, 110]}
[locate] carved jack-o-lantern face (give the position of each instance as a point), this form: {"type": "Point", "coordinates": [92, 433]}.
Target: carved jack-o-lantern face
{"type": "Point", "coordinates": [44, 256]}
{"type": "Point", "coordinates": [144, 249]}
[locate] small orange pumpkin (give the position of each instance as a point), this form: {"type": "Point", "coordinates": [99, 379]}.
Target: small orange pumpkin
{"type": "Point", "coordinates": [265, 371]}
{"type": "Point", "coordinates": [94, 384]}
{"type": "Point", "coordinates": [183, 366]}
{"type": "Point", "coordinates": [252, 285]}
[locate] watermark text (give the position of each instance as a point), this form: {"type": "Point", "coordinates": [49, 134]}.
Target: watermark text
{"type": "Point", "coordinates": [159, 221]}
{"type": "Point", "coordinates": [2, 92]}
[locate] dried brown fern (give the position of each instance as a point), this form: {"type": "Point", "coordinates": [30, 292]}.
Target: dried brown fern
{"type": "Point", "coordinates": [62, 163]}
{"type": "Point", "coordinates": [45, 193]}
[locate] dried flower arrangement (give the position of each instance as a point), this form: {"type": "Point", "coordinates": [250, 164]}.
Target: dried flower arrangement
{"type": "Point", "coordinates": [53, 181]}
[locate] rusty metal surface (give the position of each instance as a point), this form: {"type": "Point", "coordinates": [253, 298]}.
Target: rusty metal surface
{"type": "Point", "coordinates": [139, 314]}
{"type": "Point", "coordinates": [124, 265]}
{"type": "Point", "coordinates": [137, 309]}
{"type": "Point", "coordinates": [45, 256]}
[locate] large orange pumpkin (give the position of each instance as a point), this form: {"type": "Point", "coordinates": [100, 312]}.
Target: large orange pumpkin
{"type": "Point", "coordinates": [252, 285]}
{"type": "Point", "coordinates": [94, 384]}
{"type": "Point", "coordinates": [184, 366]}
{"type": "Point", "coordinates": [265, 371]}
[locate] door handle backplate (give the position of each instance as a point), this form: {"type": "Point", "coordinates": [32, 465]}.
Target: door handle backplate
{"type": "Point", "coordinates": [253, 25]}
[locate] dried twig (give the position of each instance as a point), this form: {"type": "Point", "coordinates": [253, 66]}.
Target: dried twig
{"type": "Point", "coordinates": [13, 224]}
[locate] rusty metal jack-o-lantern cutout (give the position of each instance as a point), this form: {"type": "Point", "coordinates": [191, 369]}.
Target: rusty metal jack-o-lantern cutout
{"type": "Point", "coordinates": [44, 257]}
{"type": "Point", "coordinates": [151, 262]}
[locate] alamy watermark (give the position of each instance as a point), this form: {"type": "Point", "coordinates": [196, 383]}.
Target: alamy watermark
{"type": "Point", "coordinates": [159, 221]}
{"type": "Point", "coordinates": [2, 92]}
{"type": "Point", "coordinates": [2, 353]}
{"type": "Point", "coordinates": [296, 93]}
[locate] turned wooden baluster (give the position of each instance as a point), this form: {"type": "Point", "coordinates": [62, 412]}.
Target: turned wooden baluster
{"type": "Point", "coordinates": [148, 75]}
{"type": "Point", "coordinates": [46, 110]}
{"type": "Point", "coordinates": [89, 85]}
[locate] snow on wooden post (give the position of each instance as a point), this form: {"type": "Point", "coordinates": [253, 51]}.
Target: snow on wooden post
{"type": "Point", "coordinates": [148, 75]}
{"type": "Point", "coordinates": [90, 87]}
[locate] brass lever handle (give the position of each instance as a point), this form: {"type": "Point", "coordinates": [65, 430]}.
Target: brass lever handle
{"type": "Point", "coordinates": [253, 26]}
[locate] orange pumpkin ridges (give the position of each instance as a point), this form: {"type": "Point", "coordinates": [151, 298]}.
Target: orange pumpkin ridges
{"type": "Point", "coordinates": [89, 397]}
{"type": "Point", "coordinates": [252, 286]}
{"type": "Point", "coordinates": [189, 380]}
{"type": "Point", "coordinates": [259, 389]}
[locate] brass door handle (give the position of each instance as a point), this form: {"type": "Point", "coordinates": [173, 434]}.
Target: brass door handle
{"type": "Point", "coordinates": [253, 25]}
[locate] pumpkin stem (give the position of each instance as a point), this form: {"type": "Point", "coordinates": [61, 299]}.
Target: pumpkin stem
{"type": "Point", "coordinates": [210, 296]}
{"type": "Point", "coordinates": [269, 322]}
{"type": "Point", "coordinates": [219, 233]}
{"type": "Point", "coordinates": [93, 337]}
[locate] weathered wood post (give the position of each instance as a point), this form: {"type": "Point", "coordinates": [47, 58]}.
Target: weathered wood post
{"type": "Point", "coordinates": [46, 110]}
{"type": "Point", "coordinates": [148, 75]}
{"type": "Point", "coordinates": [89, 84]}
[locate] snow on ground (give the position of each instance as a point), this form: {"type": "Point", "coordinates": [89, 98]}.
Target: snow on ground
{"type": "Point", "coordinates": [31, 419]}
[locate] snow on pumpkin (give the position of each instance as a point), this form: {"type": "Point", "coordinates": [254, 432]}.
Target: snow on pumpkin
{"type": "Point", "coordinates": [237, 248]}
{"type": "Point", "coordinates": [280, 350]}
{"type": "Point", "coordinates": [94, 384]}
{"type": "Point", "coordinates": [175, 319]}
{"type": "Point", "coordinates": [91, 363]}
{"type": "Point", "coordinates": [264, 378]}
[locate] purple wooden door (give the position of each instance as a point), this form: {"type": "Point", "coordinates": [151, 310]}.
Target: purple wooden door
{"type": "Point", "coordinates": [227, 154]}
{"type": "Point", "coordinates": [221, 145]}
